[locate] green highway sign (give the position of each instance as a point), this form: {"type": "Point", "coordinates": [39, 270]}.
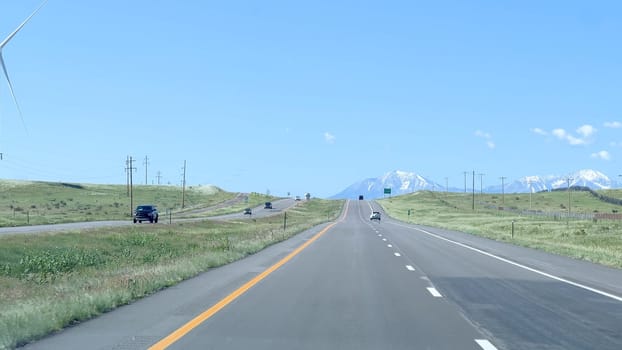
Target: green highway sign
{"type": "Point", "coordinates": [387, 191]}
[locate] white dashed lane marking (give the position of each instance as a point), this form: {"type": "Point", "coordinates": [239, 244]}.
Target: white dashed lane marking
{"type": "Point", "coordinates": [434, 292]}
{"type": "Point", "coordinates": [485, 344]}
{"type": "Point", "coordinates": [524, 267]}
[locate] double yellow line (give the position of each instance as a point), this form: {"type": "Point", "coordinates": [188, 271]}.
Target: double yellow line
{"type": "Point", "coordinates": [205, 315]}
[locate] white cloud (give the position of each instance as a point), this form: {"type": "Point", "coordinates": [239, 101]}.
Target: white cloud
{"type": "Point", "coordinates": [560, 133]}
{"type": "Point", "coordinates": [488, 137]}
{"type": "Point", "coordinates": [329, 138]}
{"type": "Point", "coordinates": [539, 131]}
{"type": "Point", "coordinates": [483, 134]}
{"type": "Point", "coordinates": [613, 125]}
{"type": "Point", "coordinates": [604, 155]}
{"type": "Point", "coordinates": [575, 140]}
{"type": "Point", "coordinates": [586, 130]}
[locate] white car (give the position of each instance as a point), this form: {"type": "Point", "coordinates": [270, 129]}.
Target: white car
{"type": "Point", "coordinates": [375, 216]}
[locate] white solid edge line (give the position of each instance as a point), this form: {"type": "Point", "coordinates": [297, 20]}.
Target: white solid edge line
{"type": "Point", "coordinates": [410, 268]}
{"type": "Point", "coordinates": [542, 273]}
{"type": "Point", "coordinates": [397, 254]}
{"type": "Point", "coordinates": [434, 292]}
{"type": "Point", "coordinates": [485, 344]}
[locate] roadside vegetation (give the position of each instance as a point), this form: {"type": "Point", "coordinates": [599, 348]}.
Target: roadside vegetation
{"type": "Point", "coordinates": [542, 220]}
{"type": "Point", "coordinates": [50, 281]}
{"type": "Point", "coordinates": [36, 203]}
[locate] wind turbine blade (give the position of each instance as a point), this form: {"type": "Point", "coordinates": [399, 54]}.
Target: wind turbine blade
{"type": "Point", "coordinates": [5, 41]}
{"type": "Point", "coordinates": [6, 75]}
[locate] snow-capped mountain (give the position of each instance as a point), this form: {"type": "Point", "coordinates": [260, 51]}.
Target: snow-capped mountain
{"type": "Point", "coordinates": [587, 178]}
{"type": "Point", "coordinates": [400, 182]}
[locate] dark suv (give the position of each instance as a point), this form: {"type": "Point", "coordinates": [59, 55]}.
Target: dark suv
{"type": "Point", "coordinates": [146, 213]}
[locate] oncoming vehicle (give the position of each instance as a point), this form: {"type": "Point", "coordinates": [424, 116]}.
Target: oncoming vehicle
{"type": "Point", "coordinates": [361, 197]}
{"type": "Point", "coordinates": [248, 211]}
{"type": "Point", "coordinates": [146, 213]}
{"type": "Point", "coordinates": [268, 205]}
{"type": "Point", "coordinates": [375, 216]}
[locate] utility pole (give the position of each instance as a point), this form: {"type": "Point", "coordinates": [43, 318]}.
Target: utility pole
{"type": "Point", "coordinates": [473, 206]}
{"type": "Point", "coordinates": [146, 163]}
{"type": "Point", "coordinates": [503, 190]}
{"type": "Point", "coordinates": [465, 173]}
{"type": "Point", "coordinates": [127, 174]}
{"type": "Point", "coordinates": [130, 169]}
{"type": "Point", "coordinates": [568, 179]}
{"type": "Point", "coordinates": [159, 176]}
{"type": "Point", "coordinates": [530, 192]}
{"type": "Point", "coordinates": [446, 185]}
{"type": "Point", "coordinates": [183, 187]}
{"type": "Point", "coordinates": [481, 183]}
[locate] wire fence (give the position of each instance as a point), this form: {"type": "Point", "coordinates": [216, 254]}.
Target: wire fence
{"type": "Point", "coordinates": [560, 215]}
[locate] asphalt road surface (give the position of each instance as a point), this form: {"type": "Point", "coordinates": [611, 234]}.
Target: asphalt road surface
{"type": "Point", "coordinates": [358, 284]}
{"type": "Point", "coordinates": [278, 206]}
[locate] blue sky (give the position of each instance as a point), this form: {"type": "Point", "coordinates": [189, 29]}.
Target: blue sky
{"type": "Point", "coordinates": [310, 96]}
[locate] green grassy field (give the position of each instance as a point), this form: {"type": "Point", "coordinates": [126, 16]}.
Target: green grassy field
{"type": "Point", "coordinates": [598, 241]}
{"type": "Point", "coordinates": [34, 203]}
{"type": "Point", "coordinates": [50, 281]}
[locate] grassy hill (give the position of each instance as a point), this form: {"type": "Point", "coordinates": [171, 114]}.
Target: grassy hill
{"type": "Point", "coordinates": [545, 226]}
{"type": "Point", "coordinates": [34, 202]}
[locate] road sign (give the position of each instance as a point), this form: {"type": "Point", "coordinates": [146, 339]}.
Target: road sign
{"type": "Point", "coordinates": [387, 191]}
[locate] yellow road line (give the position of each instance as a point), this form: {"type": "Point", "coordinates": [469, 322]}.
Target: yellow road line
{"type": "Point", "coordinates": [205, 315]}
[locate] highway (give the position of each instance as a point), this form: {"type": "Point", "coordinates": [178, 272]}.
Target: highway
{"type": "Point", "coordinates": [357, 284]}
{"type": "Point", "coordinates": [258, 212]}
{"type": "Point", "coordinates": [278, 206]}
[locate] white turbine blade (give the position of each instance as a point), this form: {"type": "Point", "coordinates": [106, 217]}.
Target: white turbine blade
{"type": "Point", "coordinates": [6, 75]}
{"type": "Point", "coordinates": [5, 41]}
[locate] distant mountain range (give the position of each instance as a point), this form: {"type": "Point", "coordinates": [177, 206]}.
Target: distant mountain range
{"type": "Point", "coordinates": [402, 182]}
